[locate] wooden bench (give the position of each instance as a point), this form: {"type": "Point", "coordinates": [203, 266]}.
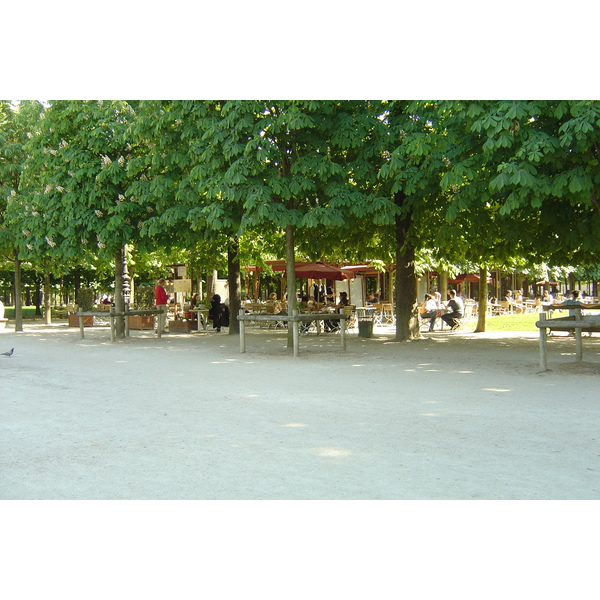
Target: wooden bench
{"type": "Point", "coordinates": [295, 319]}
{"type": "Point", "coordinates": [112, 316]}
{"type": "Point", "coordinates": [578, 323]}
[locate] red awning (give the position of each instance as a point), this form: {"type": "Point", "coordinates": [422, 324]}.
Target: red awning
{"type": "Point", "coordinates": [470, 277]}
{"type": "Point", "coordinates": [321, 270]}
{"type": "Point", "coordinates": [365, 269]}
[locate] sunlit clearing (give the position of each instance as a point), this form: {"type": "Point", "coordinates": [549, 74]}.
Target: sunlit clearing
{"type": "Point", "coordinates": [495, 390]}
{"type": "Point", "coordinates": [252, 396]}
{"type": "Point", "coordinates": [331, 452]}
{"type": "Point", "coordinates": [294, 425]}
{"type": "Point", "coordinates": [463, 371]}
{"type": "Point", "coordinates": [430, 415]}
{"type": "Point", "coordinates": [424, 364]}
{"type": "Point", "coordinates": [358, 365]}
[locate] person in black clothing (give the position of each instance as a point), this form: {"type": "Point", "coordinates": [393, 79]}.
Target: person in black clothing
{"type": "Point", "coordinates": [330, 325]}
{"type": "Point", "coordinates": [218, 313]}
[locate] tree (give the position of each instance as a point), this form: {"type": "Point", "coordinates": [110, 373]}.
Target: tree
{"type": "Point", "coordinates": [523, 178]}
{"type": "Point", "coordinates": [264, 165]}
{"type": "Point", "coordinates": [72, 206]}
{"type": "Point", "coordinates": [17, 124]}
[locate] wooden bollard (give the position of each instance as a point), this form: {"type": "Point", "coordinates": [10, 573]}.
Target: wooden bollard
{"type": "Point", "coordinates": [543, 337]}
{"type": "Point", "coordinates": [242, 332]}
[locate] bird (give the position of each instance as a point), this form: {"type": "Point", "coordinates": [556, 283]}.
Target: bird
{"type": "Point", "coordinates": [9, 353]}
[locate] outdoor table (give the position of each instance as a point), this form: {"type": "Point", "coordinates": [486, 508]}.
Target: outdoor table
{"type": "Point", "coordinates": [202, 316]}
{"type": "Point", "coordinates": [295, 320]}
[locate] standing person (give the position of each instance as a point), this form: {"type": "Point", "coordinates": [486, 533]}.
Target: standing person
{"type": "Point", "coordinates": [218, 313]}
{"type": "Point", "coordinates": [161, 299]}
{"type": "Point", "coordinates": [456, 308]}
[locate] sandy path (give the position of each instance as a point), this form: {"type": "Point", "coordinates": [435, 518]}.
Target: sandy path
{"type": "Point", "coordinates": [455, 416]}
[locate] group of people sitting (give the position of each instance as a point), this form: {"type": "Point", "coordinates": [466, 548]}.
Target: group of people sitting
{"type": "Point", "coordinates": [451, 312]}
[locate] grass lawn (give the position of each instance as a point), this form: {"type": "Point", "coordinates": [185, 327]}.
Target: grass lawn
{"type": "Point", "coordinates": [29, 312]}
{"type": "Point", "coordinates": [524, 322]}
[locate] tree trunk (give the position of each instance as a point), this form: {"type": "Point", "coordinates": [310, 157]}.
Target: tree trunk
{"type": "Point", "coordinates": [407, 313]}
{"type": "Point", "coordinates": [390, 284]}
{"type": "Point", "coordinates": [17, 295]}
{"type": "Point", "coordinates": [47, 300]}
{"type": "Point", "coordinates": [38, 297]}
{"type": "Point", "coordinates": [444, 285]}
{"type": "Point", "coordinates": [233, 282]}
{"type": "Point", "coordinates": [211, 282]}
{"type": "Point", "coordinates": [290, 263]}
{"type": "Point", "coordinates": [482, 301]}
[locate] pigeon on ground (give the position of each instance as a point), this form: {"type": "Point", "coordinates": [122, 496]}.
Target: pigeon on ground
{"type": "Point", "coordinates": [9, 353]}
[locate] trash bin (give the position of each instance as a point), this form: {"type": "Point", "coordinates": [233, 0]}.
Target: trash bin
{"type": "Point", "coordinates": [365, 327]}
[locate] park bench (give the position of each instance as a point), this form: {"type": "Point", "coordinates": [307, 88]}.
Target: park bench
{"type": "Point", "coordinates": [577, 323]}
{"type": "Point", "coordinates": [113, 316]}
{"type": "Point", "coordinates": [295, 319]}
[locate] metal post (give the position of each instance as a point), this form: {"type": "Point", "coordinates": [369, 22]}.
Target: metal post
{"type": "Point", "coordinates": [343, 332]}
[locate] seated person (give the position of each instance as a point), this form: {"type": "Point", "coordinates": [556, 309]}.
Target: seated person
{"type": "Point", "coordinates": [218, 313]}
{"type": "Point", "coordinates": [329, 325]}
{"type": "Point", "coordinates": [372, 299]}
{"type": "Point", "coordinates": [547, 298]}
{"type": "Point", "coordinates": [430, 310]}
{"type": "Point", "coordinates": [274, 306]}
{"type": "Point", "coordinates": [574, 301]}
{"type": "Point", "coordinates": [456, 310]}
{"type": "Point", "coordinates": [511, 301]}
{"type": "Point", "coordinates": [194, 302]}
{"type": "Point", "coordinates": [304, 306]}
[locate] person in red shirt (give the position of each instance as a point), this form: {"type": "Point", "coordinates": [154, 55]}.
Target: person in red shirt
{"type": "Point", "coordinates": [161, 300]}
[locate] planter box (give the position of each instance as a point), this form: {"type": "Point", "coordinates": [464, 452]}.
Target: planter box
{"type": "Point", "coordinates": [181, 326]}
{"type": "Point", "coordinates": [74, 321]}
{"type": "Point", "coordinates": [141, 322]}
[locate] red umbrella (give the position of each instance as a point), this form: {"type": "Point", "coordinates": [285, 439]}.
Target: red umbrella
{"type": "Point", "coordinates": [546, 282]}
{"type": "Point", "coordinates": [321, 270]}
